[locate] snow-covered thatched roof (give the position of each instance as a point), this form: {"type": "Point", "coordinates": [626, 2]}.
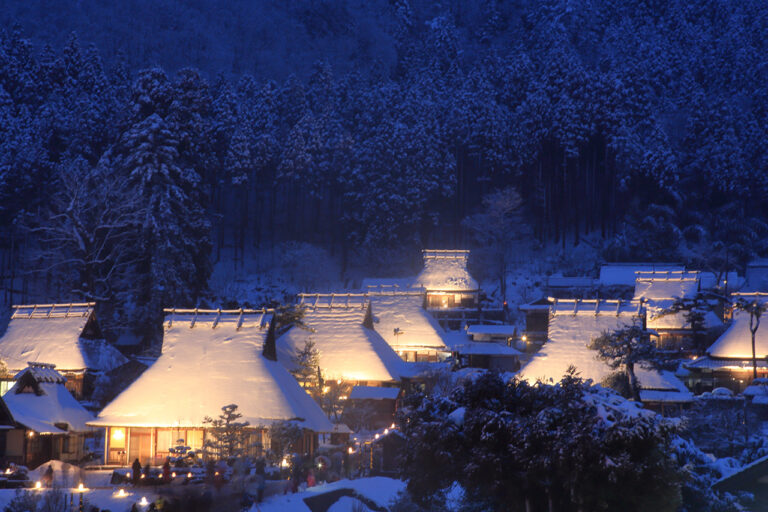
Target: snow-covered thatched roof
{"type": "Point", "coordinates": [666, 285]}
{"type": "Point", "coordinates": [736, 341]}
{"type": "Point", "coordinates": [573, 324]}
{"type": "Point", "coordinates": [446, 271]}
{"type": "Point", "coordinates": [660, 290]}
{"type": "Point", "coordinates": [40, 401]}
{"type": "Point", "coordinates": [347, 349]}
{"type": "Point", "coordinates": [211, 359]}
{"type": "Point", "coordinates": [658, 318]}
{"type": "Point", "coordinates": [399, 317]}
{"type": "Point", "coordinates": [62, 334]}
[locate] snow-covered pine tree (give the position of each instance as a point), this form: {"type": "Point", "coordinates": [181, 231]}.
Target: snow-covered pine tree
{"type": "Point", "coordinates": [228, 438]}
{"type": "Point", "coordinates": [625, 348]}
{"type": "Point", "coordinates": [173, 238]}
{"type": "Point", "coordinates": [306, 367]}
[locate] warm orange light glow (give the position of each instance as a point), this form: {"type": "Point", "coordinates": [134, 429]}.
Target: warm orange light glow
{"type": "Point", "coordinates": [38, 485]}
{"type": "Point", "coordinates": [31, 434]}
{"type": "Point", "coordinates": [189, 475]}
{"type": "Point", "coordinates": [350, 450]}
{"type": "Point", "coordinates": [117, 438]}
{"type": "Point", "coordinates": [173, 475]}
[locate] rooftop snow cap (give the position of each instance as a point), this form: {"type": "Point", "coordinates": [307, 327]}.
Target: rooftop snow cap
{"type": "Point", "coordinates": [340, 325]}
{"type": "Point", "coordinates": [446, 270]}
{"type": "Point", "coordinates": [573, 324]}
{"type": "Point", "coordinates": [211, 358]}
{"type": "Point", "coordinates": [66, 335]}
{"type": "Point", "coordinates": [736, 341]}
{"type": "Point", "coordinates": [400, 318]}
{"type": "Point", "coordinates": [666, 285]}
{"type": "Point", "coordinates": [50, 406]}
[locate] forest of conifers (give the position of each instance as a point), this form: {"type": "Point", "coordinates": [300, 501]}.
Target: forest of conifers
{"type": "Point", "coordinates": [135, 147]}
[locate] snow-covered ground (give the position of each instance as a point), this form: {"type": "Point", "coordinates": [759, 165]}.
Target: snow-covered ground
{"type": "Point", "coordinates": [380, 490]}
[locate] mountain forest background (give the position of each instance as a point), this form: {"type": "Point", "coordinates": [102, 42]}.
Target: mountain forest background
{"type": "Point", "coordinates": [144, 144]}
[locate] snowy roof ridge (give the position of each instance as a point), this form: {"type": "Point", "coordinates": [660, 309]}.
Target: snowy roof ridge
{"type": "Point", "coordinates": [394, 291]}
{"type": "Point", "coordinates": [595, 306]}
{"type": "Point", "coordinates": [667, 275]}
{"type": "Point", "coordinates": [42, 372]}
{"type": "Point", "coordinates": [58, 310]}
{"type": "Point", "coordinates": [217, 316]}
{"type": "Point", "coordinates": [445, 254]}
{"type": "Point", "coordinates": [329, 301]}
{"type": "Point", "coordinates": [755, 295]}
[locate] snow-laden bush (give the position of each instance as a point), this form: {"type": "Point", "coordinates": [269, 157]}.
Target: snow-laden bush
{"type": "Point", "coordinates": [512, 445]}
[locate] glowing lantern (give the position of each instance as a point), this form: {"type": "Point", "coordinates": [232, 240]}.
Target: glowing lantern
{"type": "Point", "coordinates": [38, 485]}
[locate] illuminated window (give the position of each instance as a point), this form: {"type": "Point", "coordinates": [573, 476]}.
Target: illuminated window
{"type": "Point", "coordinates": [117, 437]}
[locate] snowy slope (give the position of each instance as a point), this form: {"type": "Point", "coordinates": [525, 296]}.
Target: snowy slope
{"type": "Point", "coordinates": [202, 369]}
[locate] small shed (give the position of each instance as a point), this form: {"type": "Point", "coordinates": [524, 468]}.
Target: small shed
{"type": "Point", "coordinates": [47, 422]}
{"type": "Point", "coordinates": [374, 407]}
{"type": "Point", "coordinates": [447, 281]}
{"type": "Point", "coordinates": [388, 448]}
{"type": "Point", "coordinates": [66, 335]}
{"type": "Point", "coordinates": [501, 333]}
{"type": "Point", "coordinates": [487, 355]}
{"type": "Point", "coordinates": [536, 320]}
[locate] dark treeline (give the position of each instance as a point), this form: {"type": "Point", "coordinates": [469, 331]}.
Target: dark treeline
{"type": "Point", "coordinates": [641, 122]}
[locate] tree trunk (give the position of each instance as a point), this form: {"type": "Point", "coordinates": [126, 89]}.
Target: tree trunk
{"type": "Point", "coordinates": [634, 388]}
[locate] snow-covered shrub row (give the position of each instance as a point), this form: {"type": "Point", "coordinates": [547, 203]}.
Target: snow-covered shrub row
{"type": "Point", "coordinates": [511, 445]}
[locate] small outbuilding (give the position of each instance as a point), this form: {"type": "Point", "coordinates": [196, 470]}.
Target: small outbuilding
{"type": "Point", "coordinates": [373, 406]}
{"type": "Point", "coordinates": [43, 420]}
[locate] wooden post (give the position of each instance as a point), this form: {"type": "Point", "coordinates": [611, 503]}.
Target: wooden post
{"type": "Point", "coordinates": [218, 316]}
{"type": "Point", "coordinates": [194, 319]}
{"type": "Point", "coordinates": [239, 320]}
